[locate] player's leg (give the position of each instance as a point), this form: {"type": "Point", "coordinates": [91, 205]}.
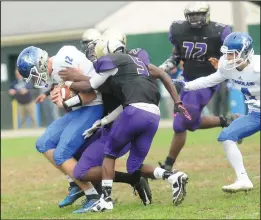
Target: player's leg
{"type": "Point", "coordinates": [46, 145]}
{"type": "Point", "coordinates": [71, 140]}
{"type": "Point", "coordinates": [242, 127]}
{"type": "Point", "coordinates": [120, 134]}
{"type": "Point", "coordinates": [194, 101]}
{"type": "Point", "coordinates": [75, 191]}
{"type": "Point", "coordinates": [138, 153]}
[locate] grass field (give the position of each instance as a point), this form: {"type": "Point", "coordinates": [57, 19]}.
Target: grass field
{"type": "Point", "coordinates": [31, 187]}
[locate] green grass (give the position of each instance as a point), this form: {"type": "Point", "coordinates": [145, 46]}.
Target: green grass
{"type": "Point", "coordinates": [31, 187]}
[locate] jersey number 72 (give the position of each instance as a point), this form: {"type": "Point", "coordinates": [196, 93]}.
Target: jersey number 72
{"type": "Point", "coordinates": [201, 49]}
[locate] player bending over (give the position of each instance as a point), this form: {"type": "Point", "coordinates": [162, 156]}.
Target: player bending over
{"type": "Point", "coordinates": [63, 137]}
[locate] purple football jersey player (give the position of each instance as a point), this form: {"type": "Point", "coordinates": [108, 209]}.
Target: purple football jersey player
{"type": "Point", "coordinates": [196, 40]}
{"type": "Point", "coordinates": [129, 79]}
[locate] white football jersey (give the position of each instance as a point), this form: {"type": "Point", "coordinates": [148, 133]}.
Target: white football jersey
{"type": "Point", "coordinates": [247, 81]}
{"type": "Point", "coordinates": [70, 56]}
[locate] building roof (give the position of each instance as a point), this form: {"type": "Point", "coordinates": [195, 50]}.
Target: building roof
{"type": "Point", "coordinates": [51, 20]}
{"type": "Point", "coordinates": [157, 16]}
{"type": "Point", "coordinates": [20, 18]}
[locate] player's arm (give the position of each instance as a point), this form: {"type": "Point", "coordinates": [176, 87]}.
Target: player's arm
{"type": "Point", "coordinates": [205, 82]}
{"type": "Point", "coordinates": [112, 116]}
{"type": "Point", "coordinates": [158, 73]}
{"type": "Point", "coordinates": [175, 58]}
{"type": "Point", "coordinates": [104, 121]}
{"type": "Point", "coordinates": [95, 82]}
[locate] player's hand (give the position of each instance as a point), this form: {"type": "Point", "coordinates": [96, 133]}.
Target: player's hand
{"type": "Point", "coordinates": [87, 133]}
{"type": "Point", "coordinates": [70, 73]}
{"type": "Point", "coordinates": [178, 107]}
{"type": "Point", "coordinates": [55, 94]}
{"type": "Point", "coordinates": [40, 98]}
{"type": "Point", "coordinates": [214, 62]}
{"type": "Point", "coordinates": [253, 102]}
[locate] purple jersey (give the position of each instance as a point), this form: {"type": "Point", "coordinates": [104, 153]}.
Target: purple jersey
{"type": "Point", "coordinates": [140, 53]}
{"type": "Point", "coordinates": [194, 46]}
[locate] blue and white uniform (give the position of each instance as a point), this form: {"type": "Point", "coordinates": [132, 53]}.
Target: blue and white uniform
{"type": "Point", "coordinates": [65, 134]}
{"type": "Point", "coordinates": [248, 82]}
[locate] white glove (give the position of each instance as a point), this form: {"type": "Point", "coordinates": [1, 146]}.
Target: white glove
{"type": "Point", "coordinates": [253, 102]}
{"type": "Point", "coordinates": [87, 133]}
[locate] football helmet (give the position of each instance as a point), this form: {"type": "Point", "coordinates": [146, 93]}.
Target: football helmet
{"type": "Point", "coordinates": [32, 65]}
{"type": "Point", "coordinates": [237, 49]}
{"type": "Point", "coordinates": [197, 14]}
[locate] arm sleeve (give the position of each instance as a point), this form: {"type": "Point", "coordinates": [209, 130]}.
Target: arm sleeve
{"type": "Point", "coordinates": [112, 116]}
{"type": "Point", "coordinates": [205, 82]}
{"type": "Point", "coordinates": [97, 80]}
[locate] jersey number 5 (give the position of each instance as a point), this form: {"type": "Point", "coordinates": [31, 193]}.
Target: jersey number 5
{"type": "Point", "coordinates": [68, 60]}
{"type": "Point", "coordinates": [141, 69]}
{"type": "Point", "coordinates": [189, 47]}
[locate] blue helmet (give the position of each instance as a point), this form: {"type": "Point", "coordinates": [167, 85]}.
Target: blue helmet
{"type": "Point", "coordinates": [32, 64]}
{"type": "Point", "coordinates": [240, 46]}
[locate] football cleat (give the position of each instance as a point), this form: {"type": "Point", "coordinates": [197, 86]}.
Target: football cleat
{"type": "Point", "coordinates": [87, 205]}
{"type": "Point", "coordinates": [74, 193]}
{"type": "Point", "coordinates": [239, 185]}
{"type": "Point", "coordinates": [144, 191]}
{"type": "Point", "coordinates": [164, 166]}
{"type": "Point", "coordinates": [178, 182]}
{"type": "Point", "coordinates": [102, 204]}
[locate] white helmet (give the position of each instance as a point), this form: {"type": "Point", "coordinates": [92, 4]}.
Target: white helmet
{"type": "Point", "coordinates": [104, 47]}
{"type": "Point", "coordinates": [115, 34]}
{"type": "Point", "coordinates": [197, 14]}
{"type": "Point", "coordinates": [88, 36]}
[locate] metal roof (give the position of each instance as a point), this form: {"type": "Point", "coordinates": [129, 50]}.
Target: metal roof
{"type": "Point", "coordinates": [25, 18]}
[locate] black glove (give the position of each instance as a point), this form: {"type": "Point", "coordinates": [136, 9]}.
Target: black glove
{"type": "Point", "coordinates": [178, 107]}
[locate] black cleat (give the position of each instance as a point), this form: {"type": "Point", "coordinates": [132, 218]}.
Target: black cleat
{"type": "Point", "coordinates": [144, 191]}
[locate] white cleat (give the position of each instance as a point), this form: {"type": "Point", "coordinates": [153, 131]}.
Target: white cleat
{"type": "Point", "coordinates": [239, 185]}
{"type": "Point", "coordinates": [178, 183]}
{"type": "Point", "coordinates": [102, 205]}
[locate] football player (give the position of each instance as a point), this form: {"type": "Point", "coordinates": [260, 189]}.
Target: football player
{"type": "Point", "coordinates": [196, 41]}
{"type": "Point", "coordinates": [239, 65]}
{"type": "Point", "coordinates": [63, 137]}
{"type": "Point", "coordinates": [129, 79]}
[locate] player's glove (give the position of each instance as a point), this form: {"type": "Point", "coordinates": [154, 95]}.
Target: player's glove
{"type": "Point", "coordinates": [87, 133]}
{"type": "Point", "coordinates": [178, 107]}
{"type": "Point", "coordinates": [253, 102]}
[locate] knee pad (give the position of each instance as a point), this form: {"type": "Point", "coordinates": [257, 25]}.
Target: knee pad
{"type": "Point", "coordinates": [43, 144]}
{"type": "Point", "coordinates": [77, 173]}
{"type": "Point", "coordinates": [182, 124]}
{"type": "Point", "coordinates": [225, 135]}
{"type": "Point", "coordinates": [60, 155]}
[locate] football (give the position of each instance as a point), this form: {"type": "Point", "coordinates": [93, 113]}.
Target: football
{"type": "Point", "coordinates": [66, 92]}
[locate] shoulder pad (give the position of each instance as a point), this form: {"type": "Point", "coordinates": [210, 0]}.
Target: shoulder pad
{"type": "Point", "coordinates": [140, 53]}
{"type": "Point", "coordinates": [103, 64]}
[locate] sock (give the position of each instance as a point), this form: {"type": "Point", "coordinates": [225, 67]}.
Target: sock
{"type": "Point", "coordinates": [98, 187]}
{"type": "Point", "coordinates": [235, 159]}
{"type": "Point", "coordinates": [106, 188]}
{"type": "Point", "coordinates": [121, 177]}
{"type": "Point", "coordinates": [91, 193]}
{"type": "Point", "coordinates": [160, 173]}
{"type": "Point", "coordinates": [71, 181]}
{"type": "Point", "coordinates": [169, 162]}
